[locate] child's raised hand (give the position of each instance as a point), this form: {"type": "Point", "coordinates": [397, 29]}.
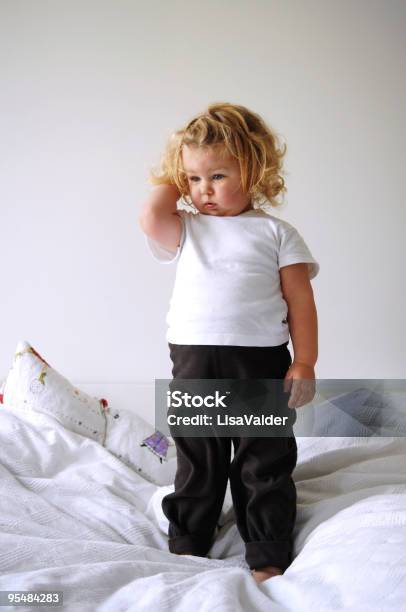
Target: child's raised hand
{"type": "Point", "coordinates": [300, 381]}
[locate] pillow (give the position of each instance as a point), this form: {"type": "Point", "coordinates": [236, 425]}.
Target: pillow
{"type": "Point", "coordinates": [32, 383]}
{"type": "Point", "coordinates": [139, 446]}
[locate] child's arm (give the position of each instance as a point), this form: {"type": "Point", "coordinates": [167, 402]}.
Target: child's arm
{"type": "Point", "coordinates": [302, 318]}
{"type": "Point", "coordinates": [159, 218]}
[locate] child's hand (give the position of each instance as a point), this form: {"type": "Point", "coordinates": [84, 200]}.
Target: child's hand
{"type": "Point", "coordinates": [300, 380]}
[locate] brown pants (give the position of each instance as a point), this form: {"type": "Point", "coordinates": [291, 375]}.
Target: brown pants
{"type": "Point", "coordinates": [262, 488]}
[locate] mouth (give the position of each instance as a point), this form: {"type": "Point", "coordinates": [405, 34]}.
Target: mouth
{"type": "Point", "coordinates": [210, 205]}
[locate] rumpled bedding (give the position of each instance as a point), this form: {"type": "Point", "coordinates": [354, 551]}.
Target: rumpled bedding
{"type": "Point", "coordinates": [74, 518]}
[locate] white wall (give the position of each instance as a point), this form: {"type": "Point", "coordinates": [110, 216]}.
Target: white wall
{"type": "Point", "coordinates": [90, 91]}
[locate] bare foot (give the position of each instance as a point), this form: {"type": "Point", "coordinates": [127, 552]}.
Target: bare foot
{"type": "Point", "coordinates": [264, 573]}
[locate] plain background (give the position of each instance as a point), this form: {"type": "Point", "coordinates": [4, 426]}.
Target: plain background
{"type": "Point", "coordinates": [90, 92]}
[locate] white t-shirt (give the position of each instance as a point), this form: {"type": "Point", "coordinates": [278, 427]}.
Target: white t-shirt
{"type": "Point", "coordinates": [227, 288]}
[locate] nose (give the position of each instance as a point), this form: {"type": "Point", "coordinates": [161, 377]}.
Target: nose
{"type": "Point", "coordinates": [206, 187]}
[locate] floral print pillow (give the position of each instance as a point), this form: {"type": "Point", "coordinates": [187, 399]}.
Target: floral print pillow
{"type": "Point", "coordinates": [32, 384]}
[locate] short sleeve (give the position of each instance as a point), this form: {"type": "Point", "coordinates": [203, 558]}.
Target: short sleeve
{"type": "Point", "coordinates": [160, 253]}
{"type": "Point", "coordinates": [293, 249]}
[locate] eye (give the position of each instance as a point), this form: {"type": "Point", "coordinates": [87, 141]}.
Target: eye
{"type": "Point", "coordinates": [196, 177]}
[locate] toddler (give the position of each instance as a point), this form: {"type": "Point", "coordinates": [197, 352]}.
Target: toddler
{"type": "Point", "coordinates": [242, 287]}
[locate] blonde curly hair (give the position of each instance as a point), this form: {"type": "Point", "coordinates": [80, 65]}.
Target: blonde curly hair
{"type": "Point", "coordinates": [235, 130]}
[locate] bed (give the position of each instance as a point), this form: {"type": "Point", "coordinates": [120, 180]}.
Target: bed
{"type": "Point", "coordinates": [80, 510]}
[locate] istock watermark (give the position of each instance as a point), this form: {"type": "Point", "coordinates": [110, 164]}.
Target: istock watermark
{"type": "Point", "coordinates": [260, 408]}
{"type": "Point", "coordinates": [176, 399]}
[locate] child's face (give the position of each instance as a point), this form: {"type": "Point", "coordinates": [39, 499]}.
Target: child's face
{"type": "Point", "coordinates": [214, 178]}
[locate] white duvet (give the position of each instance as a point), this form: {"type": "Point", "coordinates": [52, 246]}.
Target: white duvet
{"type": "Point", "coordinates": [73, 518]}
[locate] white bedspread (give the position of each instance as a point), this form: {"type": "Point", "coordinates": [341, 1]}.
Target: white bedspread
{"type": "Point", "coordinates": [75, 519]}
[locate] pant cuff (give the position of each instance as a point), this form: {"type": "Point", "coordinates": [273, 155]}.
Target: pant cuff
{"type": "Point", "coordinates": [196, 545]}
{"type": "Point", "coordinates": [263, 553]}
